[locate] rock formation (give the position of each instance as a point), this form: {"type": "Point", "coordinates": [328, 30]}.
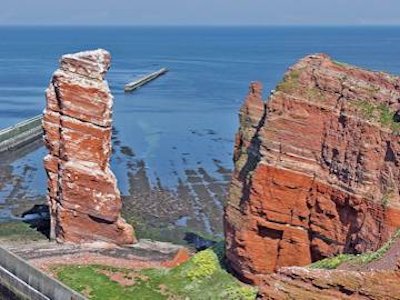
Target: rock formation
{"type": "Point", "coordinates": [305, 284]}
{"type": "Point", "coordinates": [316, 168]}
{"type": "Point", "coordinates": [83, 197]}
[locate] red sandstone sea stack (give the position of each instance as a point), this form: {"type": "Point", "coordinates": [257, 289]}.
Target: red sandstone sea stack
{"type": "Point", "coordinates": [316, 170]}
{"type": "Point", "coordinates": [84, 200]}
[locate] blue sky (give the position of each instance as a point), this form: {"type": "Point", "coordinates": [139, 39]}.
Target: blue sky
{"type": "Point", "coordinates": [200, 12]}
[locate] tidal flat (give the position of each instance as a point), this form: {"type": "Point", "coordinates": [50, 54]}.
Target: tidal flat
{"type": "Point", "coordinates": [173, 139]}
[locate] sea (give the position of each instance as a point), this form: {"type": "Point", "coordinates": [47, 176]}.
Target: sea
{"type": "Point", "coordinates": [173, 138]}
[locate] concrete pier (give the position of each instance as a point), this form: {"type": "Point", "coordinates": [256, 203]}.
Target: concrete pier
{"type": "Point", "coordinates": [144, 80]}
{"type": "Point", "coordinates": [21, 134]}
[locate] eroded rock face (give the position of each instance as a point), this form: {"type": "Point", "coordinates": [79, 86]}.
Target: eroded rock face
{"type": "Point", "coordinates": [84, 200]}
{"type": "Point", "coordinates": [316, 168]}
{"type": "Point", "coordinates": [305, 284]}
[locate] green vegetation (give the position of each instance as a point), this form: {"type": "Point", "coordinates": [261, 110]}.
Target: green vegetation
{"type": "Point", "coordinates": [290, 82]}
{"type": "Point", "coordinates": [380, 113]}
{"type": "Point", "coordinates": [384, 73]}
{"type": "Point", "coordinates": [386, 198]}
{"type": "Point", "coordinates": [361, 259]}
{"type": "Point", "coordinates": [204, 265]}
{"type": "Point", "coordinates": [18, 230]}
{"type": "Point", "coordinates": [386, 116]}
{"type": "Point", "coordinates": [314, 94]}
{"type": "Point", "coordinates": [332, 262]}
{"type": "Point", "coordinates": [339, 63]}
{"type": "Point", "coordinates": [366, 109]}
{"type": "Point", "coordinates": [202, 277]}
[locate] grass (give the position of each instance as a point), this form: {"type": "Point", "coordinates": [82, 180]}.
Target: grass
{"type": "Point", "coordinates": [386, 116]}
{"type": "Point", "coordinates": [366, 108]}
{"type": "Point", "coordinates": [380, 113]}
{"type": "Point", "coordinates": [361, 259]}
{"type": "Point", "coordinates": [18, 230]}
{"type": "Point", "coordinates": [202, 277]}
{"type": "Point", "coordinates": [332, 263]}
{"type": "Point", "coordinates": [290, 84]}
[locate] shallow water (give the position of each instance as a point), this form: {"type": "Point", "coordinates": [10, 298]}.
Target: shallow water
{"type": "Point", "coordinates": [173, 138]}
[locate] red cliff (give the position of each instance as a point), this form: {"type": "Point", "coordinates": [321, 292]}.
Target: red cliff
{"type": "Point", "coordinates": [304, 284]}
{"type": "Point", "coordinates": [84, 200]}
{"type": "Point", "coordinates": [316, 168]}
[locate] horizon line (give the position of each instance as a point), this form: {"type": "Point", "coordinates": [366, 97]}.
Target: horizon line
{"type": "Point", "coordinates": [201, 25]}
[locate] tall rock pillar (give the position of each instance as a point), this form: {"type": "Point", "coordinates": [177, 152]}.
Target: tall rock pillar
{"type": "Point", "coordinates": [84, 201]}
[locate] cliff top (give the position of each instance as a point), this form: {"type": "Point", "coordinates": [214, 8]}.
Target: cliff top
{"type": "Point", "coordinates": [93, 63]}
{"type": "Point", "coordinates": [370, 95]}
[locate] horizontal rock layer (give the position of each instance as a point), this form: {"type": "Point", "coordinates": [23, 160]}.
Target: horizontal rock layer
{"type": "Point", "coordinates": [305, 284]}
{"type": "Point", "coordinates": [316, 168]}
{"type": "Point", "coordinates": [84, 200]}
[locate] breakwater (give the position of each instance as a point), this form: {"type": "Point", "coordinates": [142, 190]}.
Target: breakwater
{"type": "Point", "coordinates": [21, 134]}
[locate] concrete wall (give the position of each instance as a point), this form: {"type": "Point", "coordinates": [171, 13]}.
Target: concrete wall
{"type": "Point", "coordinates": [21, 134]}
{"type": "Point", "coordinates": [14, 288]}
{"type": "Point", "coordinates": [30, 283]}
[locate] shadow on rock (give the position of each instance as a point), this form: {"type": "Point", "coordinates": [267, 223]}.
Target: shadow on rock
{"type": "Point", "coordinates": [38, 217]}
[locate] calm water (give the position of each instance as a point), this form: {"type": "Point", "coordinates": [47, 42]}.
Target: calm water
{"type": "Point", "coordinates": [182, 124]}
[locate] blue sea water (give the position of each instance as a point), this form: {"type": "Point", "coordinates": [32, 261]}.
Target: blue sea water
{"type": "Point", "coordinates": [187, 118]}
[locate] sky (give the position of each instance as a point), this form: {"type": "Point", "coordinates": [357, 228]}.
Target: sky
{"type": "Point", "coordinates": [200, 12]}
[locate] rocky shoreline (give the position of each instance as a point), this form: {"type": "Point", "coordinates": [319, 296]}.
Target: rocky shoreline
{"type": "Point", "coordinates": [313, 204]}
